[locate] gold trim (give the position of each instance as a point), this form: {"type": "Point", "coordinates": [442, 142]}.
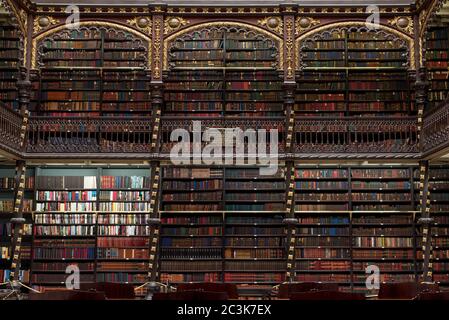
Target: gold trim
{"type": "Point", "coordinates": [424, 17]}
{"type": "Point", "coordinates": [289, 47]}
{"type": "Point", "coordinates": [86, 23]}
{"type": "Point", "coordinates": [157, 46]}
{"type": "Point", "coordinates": [278, 29]}
{"type": "Point", "coordinates": [408, 29]}
{"type": "Point", "coordinates": [426, 14]}
{"type": "Point", "coordinates": [273, 36]}
{"type": "Point", "coordinates": [18, 16]}
{"type": "Point", "coordinates": [38, 28]}
{"type": "Point", "coordinates": [168, 29]}
{"type": "Point", "coordinates": [134, 23]}
{"type": "Point", "coordinates": [406, 37]}
{"type": "Point", "coordinates": [312, 23]}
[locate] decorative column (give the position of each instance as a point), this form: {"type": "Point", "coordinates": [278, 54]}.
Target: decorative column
{"type": "Point", "coordinates": [154, 223]}
{"type": "Point", "coordinates": [24, 86]}
{"type": "Point", "coordinates": [289, 55]}
{"type": "Point", "coordinates": [290, 222]}
{"type": "Point", "coordinates": [18, 220]}
{"type": "Point", "coordinates": [425, 221]}
{"type": "Point", "coordinates": [157, 12]}
{"type": "Point", "coordinates": [288, 12]}
{"type": "Point", "coordinates": [156, 106]}
{"type": "Point", "coordinates": [421, 93]}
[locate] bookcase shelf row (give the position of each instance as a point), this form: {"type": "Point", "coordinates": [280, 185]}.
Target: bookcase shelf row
{"type": "Point", "coordinates": [437, 63]}
{"type": "Point", "coordinates": [10, 43]}
{"type": "Point", "coordinates": [242, 245]}
{"type": "Point", "coordinates": [92, 72]}
{"type": "Point", "coordinates": [350, 72]}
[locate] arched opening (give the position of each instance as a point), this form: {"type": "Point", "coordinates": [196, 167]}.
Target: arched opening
{"type": "Point", "coordinates": [103, 66]}
{"type": "Point", "coordinates": [350, 72]}
{"type": "Point", "coordinates": [225, 70]}
{"type": "Point", "coordinates": [354, 70]}
{"type": "Point", "coordinates": [11, 57]}
{"type": "Point", "coordinates": [99, 70]}
{"type": "Point", "coordinates": [436, 57]}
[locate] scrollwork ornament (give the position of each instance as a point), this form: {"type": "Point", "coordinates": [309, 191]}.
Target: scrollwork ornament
{"type": "Point", "coordinates": [289, 46]}
{"type": "Point", "coordinates": [173, 24]}
{"type": "Point", "coordinates": [305, 23]}
{"type": "Point", "coordinates": [43, 22]}
{"type": "Point", "coordinates": [141, 23]}
{"type": "Point", "coordinates": [274, 24]}
{"type": "Point", "coordinates": [403, 23]}
{"type": "Point", "coordinates": [157, 47]}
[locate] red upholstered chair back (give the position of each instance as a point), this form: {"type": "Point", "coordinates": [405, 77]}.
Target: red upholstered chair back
{"type": "Point", "coordinates": [391, 291]}
{"type": "Point", "coordinates": [433, 296]}
{"type": "Point", "coordinates": [191, 296]}
{"type": "Point", "coordinates": [428, 288]}
{"type": "Point", "coordinates": [67, 295]}
{"type": "Point", "coordinates": [111, 290]}
{"type": "Point", "coordinates": [326, 296]}
{"type": "Point", "coordinates": [229, 288]}
{"type": "Point", "coordinates": [286, 289]}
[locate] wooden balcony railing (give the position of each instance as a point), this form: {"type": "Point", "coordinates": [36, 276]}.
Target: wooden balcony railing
{"type": "Point", "coordinates": [10, 129]}
{"type": "Point", "coordinates": [380, 137]}
{"type": "Point", "coordinates": [435, 131]}
{"type": "Point", "coordinates": [356, 135]}
{"type": "Point", "coordinates": [171, 123]}
{"type": "Point", "coordinates": [89, 135]}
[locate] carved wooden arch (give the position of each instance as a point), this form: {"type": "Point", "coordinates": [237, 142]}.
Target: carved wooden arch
{"type": "Point", "coordinates": [19, 25]}
{"type": "Point", "coordinates": [229, 25]}
{"type": "Point", "coordinates": [427, 14]}
{"type": "Point", "coordinates": [392, 34]}
{"type": "Point", "coordinates": [425, 17]}
{"type": "Point", "coordinates": [36, 53]}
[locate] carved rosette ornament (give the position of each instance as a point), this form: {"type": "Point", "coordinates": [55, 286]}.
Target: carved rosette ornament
{"type": "Point", "coordinates": [404, 24]}
{"type": "Point", "coordinates": [43, 23]}
{"type": "Point", "coordinates": [290, 48]}
{"type": "Point", "coordinates": [305, 23]}
{"type": "Point", "coordinates": [141, 23]}
{"type": "Point", "coordinates": [173, 24]}
{"type": "Point", "coordinates": [273, 24]}
{"type": "Point", "coordinates": [157, 47]}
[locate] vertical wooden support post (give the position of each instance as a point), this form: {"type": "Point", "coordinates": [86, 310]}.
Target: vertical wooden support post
{"type": "Point", "coordinates": [421, 93]}
{"type": "Point", "coordinates": [158, 13]}
{"type": "Point", "coordinates": [157, 46]}
{"type": "Point", "coordinates": [425, 221]}
{"type": "Point", "coordinates": [156, 106]}
{"type": "Point", "coordinates": [290, 222]}
{"type": "Point", "coordinates": [154, 223]}
{"type": "Point", "coordinates": [18, 220]}
{"type": "Point", "coordinates": [289, 55]}
{"type": "Point", "coordinates": [289, 94]}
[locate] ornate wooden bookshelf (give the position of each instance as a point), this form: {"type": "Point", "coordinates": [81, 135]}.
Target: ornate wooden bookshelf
{"type": "Point", "coordinates": [223, 72]}
{"type": "Point", "coordinates": [119, 83]}
{"type": "Point", "coordinates": [439, 211]}
{"type": "Point", "coordinates": [64, 225]}
{"type": "Point", "coordinates": [95, 219]}
{"type": "Point", "coordinates": [7, 185]}
{"type": "Point", "coordinates": [10, 62]}
{"type": "Point", "coordinates": [437, 63]}
{"type": "Point", "coordinates": [354, 72]}
{"type": "Point", "coordinates": [92, 72]}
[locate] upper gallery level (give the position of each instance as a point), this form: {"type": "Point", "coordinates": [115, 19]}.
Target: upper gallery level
{"type": "Point", "coordinates": [332, 80]}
